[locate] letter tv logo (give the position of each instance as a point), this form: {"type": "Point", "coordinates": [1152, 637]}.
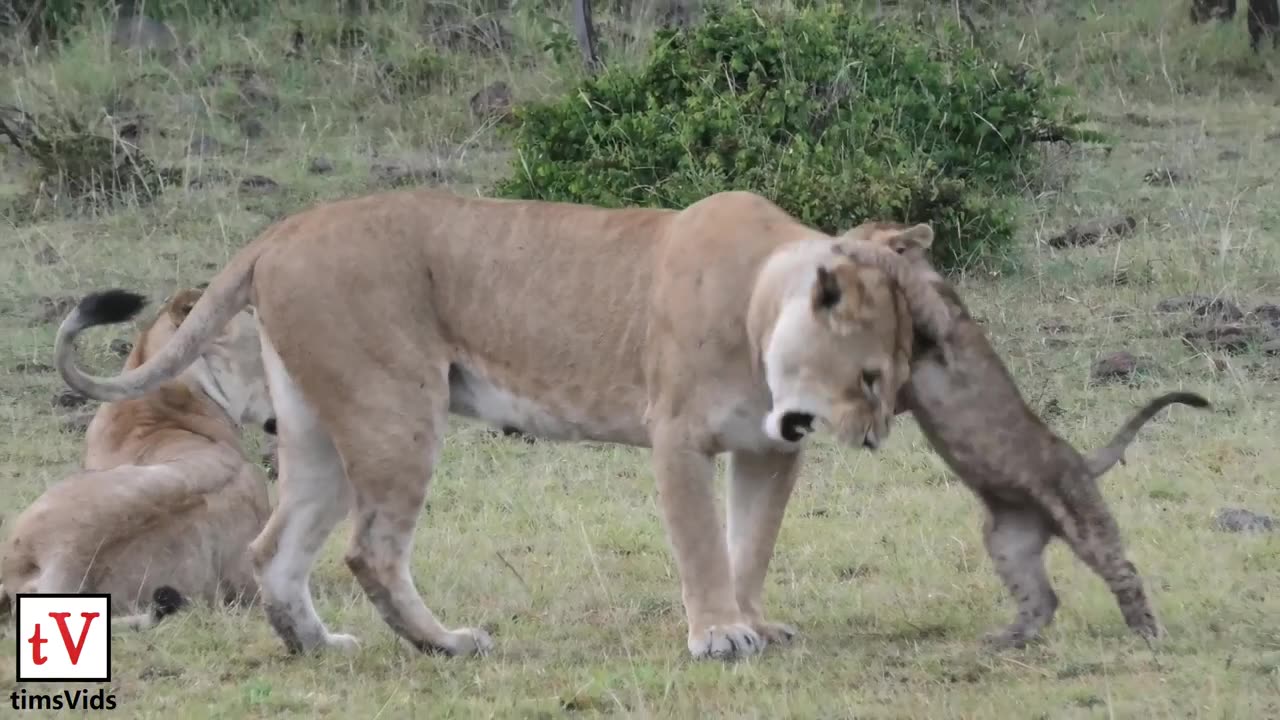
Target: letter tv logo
{"type": "Point", "coordinates": [64, 638]}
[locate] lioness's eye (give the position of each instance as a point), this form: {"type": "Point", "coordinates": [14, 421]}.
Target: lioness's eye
{"type": "Point", "coordinates": [870, 377]}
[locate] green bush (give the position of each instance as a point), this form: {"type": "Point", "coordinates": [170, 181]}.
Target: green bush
{"type": "Point", "coordinates": [836, 118]}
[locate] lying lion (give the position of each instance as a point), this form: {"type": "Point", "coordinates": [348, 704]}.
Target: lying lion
{"type": "Point", "coordinates": [167, 503]}
{"type": "Point", "coordinates": [1033, 484]}
{"type": "Point", "coordinates": [725, 327]}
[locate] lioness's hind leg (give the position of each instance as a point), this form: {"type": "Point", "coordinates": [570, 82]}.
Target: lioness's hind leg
{"type": "Point", "coordinates": [1095, 539]}
{"type": "Point", "coordinates": [314, 497]}
{"type": "Point", "coordinates": [1015, 538]}
{"type": "Point", "coordinates": [391, 447]}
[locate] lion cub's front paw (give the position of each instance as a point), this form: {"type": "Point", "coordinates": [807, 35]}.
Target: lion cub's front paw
{"type": "Point", "coordinates": [725, 642]}
{"type": "Point", "coordinates": [774, 633]}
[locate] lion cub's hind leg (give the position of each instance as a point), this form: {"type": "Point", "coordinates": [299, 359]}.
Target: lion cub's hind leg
{"type": "Point", "coordinates": [314, 497]}
{"type": "Point", "coordinates": [391, 441]}
{"type": "Point", "coordinates": [1015, 538]}
{"type": "Point", "coordinates": [1095, 539]}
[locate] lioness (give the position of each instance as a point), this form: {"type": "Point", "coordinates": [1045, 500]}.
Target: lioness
{"type": "Point", "coordinates": [1033, 484]}
{"type": "Point", "coordinates": [725, 327]}
{"type": "Point", "coordinates": [167, 503]}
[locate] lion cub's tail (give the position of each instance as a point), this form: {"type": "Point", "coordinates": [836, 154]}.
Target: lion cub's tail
{"type": "Point", "coordinates": [226, 295]}
{"type": "Point", "coordinates": [1101, 460]}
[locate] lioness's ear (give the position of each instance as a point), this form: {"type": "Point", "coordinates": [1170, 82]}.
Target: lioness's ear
{"type": "Point", "coordinates": [826, 290]}
{"type": "Point", "coordinates": [181, 304]}
{"type": "Point", "coordinates": [916, 237]}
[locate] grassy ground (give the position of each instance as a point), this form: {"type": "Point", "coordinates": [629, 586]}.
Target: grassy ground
{"type": "Point", "coordinates": [558, 548]}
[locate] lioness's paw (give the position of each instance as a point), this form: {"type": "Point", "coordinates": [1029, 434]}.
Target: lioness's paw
{"type": "Point", "coordinates": [470, 641]}
{"type": "Point", "coordinates": [725, 642]}
{"type": "Point", "coordinates": [342, 643]}
{"type": "Point", "coordinates": [774, 633]}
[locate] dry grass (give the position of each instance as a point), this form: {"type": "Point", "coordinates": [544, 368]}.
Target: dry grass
{"type": "Point", "coordinates": [558, 548]}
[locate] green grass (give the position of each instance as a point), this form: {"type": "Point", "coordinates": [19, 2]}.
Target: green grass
{"type": "Point", "coordinates": [558, 548]}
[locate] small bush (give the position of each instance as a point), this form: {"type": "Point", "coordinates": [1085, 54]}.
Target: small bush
{"type": "Point", "coordinates": [836, 118]}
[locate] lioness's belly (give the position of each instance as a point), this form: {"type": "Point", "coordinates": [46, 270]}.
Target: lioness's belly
{"type": "Point", "coordinates": [475, 396]}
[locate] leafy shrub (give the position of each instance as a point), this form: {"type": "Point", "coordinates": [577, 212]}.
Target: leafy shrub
{"type": "Point", "coordinates": [836, 118]}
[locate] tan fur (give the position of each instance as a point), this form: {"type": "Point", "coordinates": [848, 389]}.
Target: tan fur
{"type": "Point", "coordinates": [692, 333]}
{"type": "Point", "coordinates": [166, 496]}
{"type": "Point", "coordinates": [1033, 484]}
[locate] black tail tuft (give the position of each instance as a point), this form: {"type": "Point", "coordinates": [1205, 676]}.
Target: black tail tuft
{"type": "Point", "coordinates": [1187, 398]}
{"type": "Point", "coordinates": [110, 306]}
{"type": "Point", "coordinates": [167, 601]}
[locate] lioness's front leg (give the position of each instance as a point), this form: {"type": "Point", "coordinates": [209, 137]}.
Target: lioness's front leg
{"type": "Point", "coordinates": [685, 478]}
{"type": "Point", "coordinates": [760, 485]}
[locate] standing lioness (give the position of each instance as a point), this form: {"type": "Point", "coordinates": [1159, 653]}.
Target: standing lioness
{"type": "Point", "coordinates": [725, 327]}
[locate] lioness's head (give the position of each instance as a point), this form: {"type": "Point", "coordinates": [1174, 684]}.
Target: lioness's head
{"type": "Point", "coordinates": [229, 370]}
{"type": "Point", "coordinates": [838, 355]}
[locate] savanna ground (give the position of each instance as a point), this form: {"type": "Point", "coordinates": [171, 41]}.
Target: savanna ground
{"type": "Point", "coordinates": [558, 549]}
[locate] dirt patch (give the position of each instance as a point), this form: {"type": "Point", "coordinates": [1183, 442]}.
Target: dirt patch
{"type": "Point", "coordinates": [49, 309]}
{"type": "Point", "coordinates": [1091, 232]}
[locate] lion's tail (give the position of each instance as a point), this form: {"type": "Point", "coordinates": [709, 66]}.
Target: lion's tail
{"type": "Point", "coordinates": [165, 601]}
{"type": "Point", "coordinates": [1102, 459]}
{"type": "Point", "coordinates": [227, 294]}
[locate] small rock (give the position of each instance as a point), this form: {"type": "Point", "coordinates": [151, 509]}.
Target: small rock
{"type": "Point", "coordinates": [494, 101]}
{"type": "Point", "coordinates": [51, 309]}
{"type": "Point", "coordinates": [1164, 176]}
{"type": "Point", "coordinates": [1202, 305]}
{"type": "Point", "coordinates": [69, 399]}
{"type": "Point", "coordinates": [1227, 337]}
{"type": "Point", "coordinates": [1052, 409]}
{"type": "Point", "coordinates": [1270, 347]}
{"type": "Point", "coordinates": [204, 144]}
{"type": "Point", "coordinates": [320, 166]}
{"type": "Point", "coordinates": [1272, 137]}
{"type": "Point", "coordinates": [121, 347]}
{"type": "Point", "coordinates": [259, 184]}
{"type": "Point", "coordinates": [1118, 366]}
{"type": "Point", "coordinates": [1230, 155]}
{"type": "Point", "coordinates": [77, 423]}
{"type": "Point", "coordinates": [1236, 520]}
{"type": "Point", "coordinates": [252, 127]}
{"type": "Point", "coordinates": [1055, 327]}
{"type": "Point", "coordinates": [1089, 233]}
{"type": "Point", "coordinates": [1268, 313]}
{"type": "Point", "coordinates": [48, 255]}
{"type": "Point", "coordinates": [32, 368]}
{"type": "Point", "coordinates": [408, 172]}
{"type": "Point", "coordinates": [142, 33]}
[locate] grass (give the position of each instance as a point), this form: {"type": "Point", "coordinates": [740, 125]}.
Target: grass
{"type": "Point", "coordinates": [558, 549]}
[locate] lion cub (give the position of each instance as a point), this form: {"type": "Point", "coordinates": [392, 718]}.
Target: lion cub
{"type": "Point", "coordinates": [1033, 483]}
{"type": "Point", "coordinates": [167, 503]}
